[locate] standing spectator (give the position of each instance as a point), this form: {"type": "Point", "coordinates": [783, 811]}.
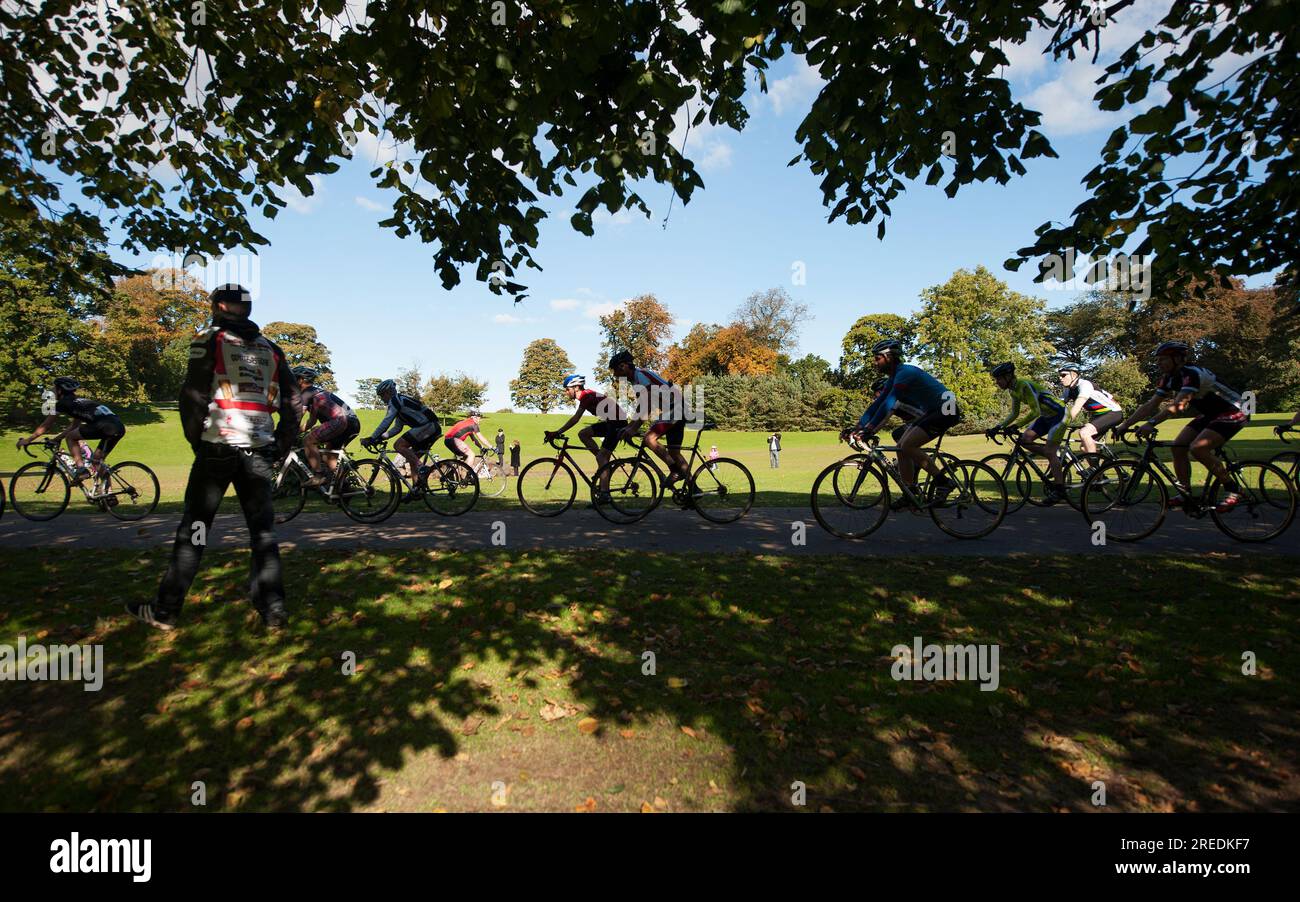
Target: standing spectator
{"type": "Point", "coordinates": [774, 449]}
{"type": "Point", "coordinates": [713, 455]}
{"type": "Point", "coordinates": [501, 446]}
{"type": "Point", "coordinates": [514, 458]}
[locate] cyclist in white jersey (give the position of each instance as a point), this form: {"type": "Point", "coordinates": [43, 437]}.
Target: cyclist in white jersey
{"type": "Point", "coordinates": [665, 435]}
{"type": "Point", "coordinates": [1103, 410]}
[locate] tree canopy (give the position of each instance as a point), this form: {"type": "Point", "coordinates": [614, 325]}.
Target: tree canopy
{"type": "Point", "coordinates": [538, 385]}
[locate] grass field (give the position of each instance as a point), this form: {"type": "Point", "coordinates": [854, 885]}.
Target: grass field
{"type": "Point", "coordinates": [155, 438]}
{"type": "Point", "coordinates": [515, 681]}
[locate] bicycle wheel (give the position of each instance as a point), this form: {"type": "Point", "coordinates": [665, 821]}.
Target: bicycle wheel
{"type": "Point", "coordinates": [546, 487]}
{"type": "Point", "coordinates": [971, 503]}
{"type": "Point", "coordinates": [850, 498]}
{"type": "Point", "coordinates": [367, 490]}
{"type": "Point", "coordinates": [1289, 463]}
{"type": "Point", "coordinates": [722, 490]}
{"type": "Point", "coordinates": [1267, 505]}
{"type": "Point", "coordinates": [132, 491]}
{"type": "Point", "coordinates": [39, 491]}
{"type": "Point", "coordinates": [1009, 470]}
{"type": "Point", "coordinates": [450, 488]}
{"type": "Point", "coordinates": [634, 490]}
{"type": "Point", "coordinates": [491, 479]}
{"type": "Point", "coordinates": [288, 494]}
{"type": "Point", "coordinates": [1128, 498]}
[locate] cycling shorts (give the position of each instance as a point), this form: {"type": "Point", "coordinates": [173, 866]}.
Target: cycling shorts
{"type": "Point", "coordinates": [335, 434]}
{"type": "Point", "coordinates": [609, 431]}
{"type": "Point", "coordinates": [1048, 425]}
{"type": "Point", "coordinates": [109, 431]}
{"type": "Point", "coordinates": [422, 437]}
{"type": "Point", "coordinates": [1226, 425]}
{"type": "Point", "coordinates": [1106, 421]}
{"type": "Point", "coordinates": [673, 432]}
{"type": "Point", "coordinates": [936, 422]}
{"type": "Point", "coordinates": [458, 447]}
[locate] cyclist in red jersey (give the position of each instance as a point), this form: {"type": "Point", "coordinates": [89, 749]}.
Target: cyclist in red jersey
{"type": "Point", "coordinates": [664, 437]}
{"type": "Point", "coordinates": [458, 438]}
{"type": "Point", "coordinates": [612, 422]}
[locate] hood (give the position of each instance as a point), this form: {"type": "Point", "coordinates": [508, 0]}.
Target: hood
{"type": "Point", "coordinates": [244, 328]}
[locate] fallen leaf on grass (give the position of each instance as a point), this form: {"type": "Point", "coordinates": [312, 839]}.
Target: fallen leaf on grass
{"type": "Point", "coordinates": [689, 732]}
{"type": "Point", "coordinates": [588, 725]}
{"type": "Point", "coordinates": [589, 805]}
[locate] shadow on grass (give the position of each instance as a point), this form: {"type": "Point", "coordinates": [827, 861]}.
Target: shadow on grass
{"type": "Point", "coordinates": [1132, 678]}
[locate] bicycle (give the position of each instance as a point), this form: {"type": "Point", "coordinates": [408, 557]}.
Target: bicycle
{"type": "Point", "coordinates": [720, 490]}
{"type": "Point", "coordinates": [41, 490]}
{"type": "Point", "coordinates": [450, 488]}
{"type": "Point", "coordinates": [1022, 470]}
{"type": "Point", "coordinates": [1287, 461]}
{"type": "Point", "coordinates": [491, 474]}
{"type": "Point", "coordinates": [851, 497]}
{"type": "Point", "coordinates": [548, 486]}
{"type": "Point", "coordinates": [1131, 498]}
{"type": "Point", "coordinates": [365, 489]}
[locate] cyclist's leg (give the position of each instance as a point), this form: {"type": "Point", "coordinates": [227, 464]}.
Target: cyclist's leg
{"type": "Point", "coordinates": [72, 436]}
{"type": "Point", "coordinates": [408, 452]}
{"type": "Point", "coordinates": [1213, 437]}
{"type": "Point", "coordinates": [1182, 465]}
{"type": "Point", "coordinates": [1053, 439]}
{"type": "Point", "coordinates": [673, 437]}
{"type": "Point", "coordinates": [112, 433]}
{"type": "Point", "coordinates": [910, 455]}
{"type": "Point", "coordinates": [654, 441]}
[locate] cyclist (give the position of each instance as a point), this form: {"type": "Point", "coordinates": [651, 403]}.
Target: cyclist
{"type": "Point", "coordinates": [1081, 394]}
{"type": "Point", "coordinates": [1295, 421]}
{"type": "Point", "coordinates": [90, 420]}
{"type": "Point", "coordinates": [403, 410]}
{"type": "Point", "coordinates": [331, 423]}
{"type": "Point", "coordinates": [911, 389]}
{"type": "Point", "coordinates": [459, 436]}
{"type": "Point", "coordinates": [1047, 414]}
{"type": "Point", "coordinates": [611, 421]}
{"type": "Point", "coordinates": [904, 412]}
{"type": "Point", "coordinates": [1219, 416]}
{"type": "Point", "coordinates": [653, 391]}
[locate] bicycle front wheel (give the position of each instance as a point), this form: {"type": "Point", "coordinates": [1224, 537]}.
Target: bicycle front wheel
{"type": "Point", "coordinates": [970, 503]}
{"type": "Point", "coordinates": [1014, 478]}
{"type": "Point", "coordinates": [633, 490]}
{"type": "Point", "coordinates": [367, 490]}
{"type": "Point", "coordinates": [132, 491]}
{"type": "Point", "coordinates": [1267, 505]}
{"type": "Point", "coordinates": [722, 490]}
{"type": "Point", "coordinates": [546, 487]}
{"type": "Point", "coordinates": [39, 491]}
{"type": "Point", "coordinates": [450, 488]}
{"type": "Point", "coordinates": [850, 498]}
{"type": "Point", "coordinates": [288, 494]}
{"type": "Point", "coordinates": [1128, 498]}
{"type": "Point", "coordinates": [491, 480]}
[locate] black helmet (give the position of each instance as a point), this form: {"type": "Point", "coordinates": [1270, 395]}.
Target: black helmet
{"type": "Point", "coordinates": [231, 293]}
{"type": "Point", "coordinates": [1171, 347]}
{"type": "Point", "coordinates": [621, 358]}
{"type": "Point", "coordinates": [302, 371]}
{"type": "Point", "coordinates": [1003, 369]}
{"type": "Point", "coordinates": [67, 384]}
{"type": "Point", "coordinates": [386, 385]}
{"type": "Point", "coordinates": [888, 346]}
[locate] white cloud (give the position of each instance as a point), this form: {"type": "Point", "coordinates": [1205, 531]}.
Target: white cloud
{"type": "Point", "coordinates": [1066, 102]}
{"type": "Point", "coordinates": [306, 204]}
{"type": "Point", "coordinates": [506, 319]}
{"type": "Point", "coordinates": [796, 90]}
{"type": "Point", "coordinates": [565, 304]}
{"type": "Point", "coordinates": [367, 204]}
{"type": "Point", "coordinates": [595, 311]}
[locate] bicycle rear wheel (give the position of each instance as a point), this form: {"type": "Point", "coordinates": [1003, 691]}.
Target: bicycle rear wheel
{"type": "Point", "coordinates": [633, 490]}
{"type": "Point", "coordinates": [367, 490]}
{"type": "Point", "coordinates": [1012, 474]}
{"type": "Point", "coordinates": [1128, 498]}
{"type": "Point", "coordinates": [850, 498]}
{"type": "Point", "coordinates": [288, 494]}
{"type": "Point", "coordinates": [546, 487]}
{"type": "Point", "coordinates": [1289, 463]}
{"type": "Point", "coordinates": [722, 490]}
{"type": "Point", "coordinates": [491, 479]}
{"type": "Point", "coordinates": [39, 491]}
{"type": "Point", "coordinates": [450, 488]}
{"type": "Point", "coordinates": [1267, 505]}
{"type": "Point", "coordinates": [132, 491]}
{"type": "Point", "coordinates": [971, 504]}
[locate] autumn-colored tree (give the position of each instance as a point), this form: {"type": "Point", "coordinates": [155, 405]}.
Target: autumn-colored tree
{"type": "Point", "coordinates": [302, 347]}
{"type": "Point", "coordinates": [773, 318]}
{"type": "Point", "coordinates": [692, 357]}
{"type": "Point", "coordinates": [642, 326]}
{"type": "Point", "coordinates": [149, 322]}
{"type": "Point", "coordinates": [538, 386]}
{"type": "Point", "coordinates": [719, 351]}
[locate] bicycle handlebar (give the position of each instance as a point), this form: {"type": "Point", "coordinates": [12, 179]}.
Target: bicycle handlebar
{"type": "Point", "coordinates": [1282, 431]}
{"type": "Point", "coordinates": [47, 443]}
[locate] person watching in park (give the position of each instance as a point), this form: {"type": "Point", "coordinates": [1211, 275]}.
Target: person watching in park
{"type": "Point", "coordinates": [423, 427]}
{"type": "Point", "coordinates": [1045, 416]}
{"type": "Point", "coordinates": [654, 392]}
{"type": "Point", "coordinates": [459, 436]}
{"type": "Point", "coordinates": [331, 424]}
{"type": "Point", "coordinates": [1081, 394]}
{"type": "Point", "coordinates": [914, 388]}
{"type": "Point", "coordinates": [90, 420]}
{"type": "Point", "coordinates": [611, 421]}
{"type": "Point", "coordinates": [236, 381]}
{"type": "Point", "coordinates": [1219, 416]}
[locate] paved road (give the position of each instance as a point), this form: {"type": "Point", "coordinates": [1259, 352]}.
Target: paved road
{"type": "Point", "coordinates": [764, 530]}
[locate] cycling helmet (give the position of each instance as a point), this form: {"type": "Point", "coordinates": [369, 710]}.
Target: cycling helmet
{"type": "Point", "coordinates": [476, 413]}
{"type": "Point", "coordinates": [1003, 369]}
{"type": "Point", "coordinates": [1171, 347]}
{"type": "Point", "coordinates": [305, 372]}
{"type": "Point", "coordinates": [888, 346]}
{"type": "Point", "coordinates": [574, 381]}
{"type": "Point", "coordinates": [622, 357]}
{"type": "Point", "coordinates": [385, 386]}
{"type": "Point", "coordinates": [66, 383]}
{"type": "Point", "coordinates": [1068, 368]}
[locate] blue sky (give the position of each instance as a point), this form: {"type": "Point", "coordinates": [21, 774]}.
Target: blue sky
{"type": "Point", "coordinates": [377, 303]}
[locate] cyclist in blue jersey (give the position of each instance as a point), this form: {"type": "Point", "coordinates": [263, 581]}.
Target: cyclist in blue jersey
{"type": "Point", "coordinates": [423, 426]}
{"type": "Point", "coordinates": [914, 390]}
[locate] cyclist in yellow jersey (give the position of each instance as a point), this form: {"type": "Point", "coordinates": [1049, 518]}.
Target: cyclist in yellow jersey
{"type": "Point", "coordinates": [1045, 415]}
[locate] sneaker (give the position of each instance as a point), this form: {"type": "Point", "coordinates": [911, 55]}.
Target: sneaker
{"type": "Point", "coordinates": [943, 489]}
{"type": "Point", "coordinates": [1231, 500]}
{"type": "Point", "coordinates": [1054, 494]}
{"type": "Point", "coordinates": [79, 475]}
{"type": "Point", "coordinates": [902, 502]}
{"type": "Point", "coordinates": [151, 614]}
{"type": "Point", "coordinates": [316, 481]}
{"type": "Point", "coordinates": [275, 617]}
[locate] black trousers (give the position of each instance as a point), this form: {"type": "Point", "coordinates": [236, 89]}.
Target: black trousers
{"type": "Point", "coordinates": [215, 468]}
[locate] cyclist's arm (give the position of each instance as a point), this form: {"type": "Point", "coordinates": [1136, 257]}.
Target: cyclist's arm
{"type": "Point", "coordinates": [569, 423]}
{"type": "Point", "coordinates": [196, 391]}
{"type": "Point", "coordinates": [1145, 409]}
{"type": "Point", "coordinates": [45, 427]}
{"type": "Point", "coordinates": [1075, 407]}
{"type": "Point", "coordinates": [388, 419]}
{"type": "Point", "coordinates": [1035, 407]}
{"type": "Point", "coordinates": [877, 413]}
{"type": "Point", "coordinates": [1015, 409]}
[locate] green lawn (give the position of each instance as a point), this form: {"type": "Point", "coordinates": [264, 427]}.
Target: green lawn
{"type": "Point", "coordinates": [155, 438]}
{"type": "Point", "coordinates": [524, 670]}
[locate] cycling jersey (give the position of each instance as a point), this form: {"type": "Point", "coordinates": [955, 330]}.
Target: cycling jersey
{"type": "Point", "coordinates": [405, 411]}
{"type": "Point", "coordinates": [463, 429]}
{"type": "Point", "coordinates": [236, 379]}
{"type": "Point", "coordinates": [83, 410]}
{"type": "Point", "coordinates": [660, 393]}
{"type": "Point", "coordinates": [912, 387]}
{"type": "Point", "coordinates": [1095, 401]}
{"type": "Point", "coordinates": [1039, 400]}
{"type": "Point", "coordinates": [600, 406]}
{"type": "Point", "coordinates": [324, 406]}
{"type": "Point", "coordinates": [1210, 397]}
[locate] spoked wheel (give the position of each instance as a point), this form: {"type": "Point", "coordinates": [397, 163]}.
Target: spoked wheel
{"type": "Point", "coordinates": [367, 490]}
{"type": "Point", "coordinates": [288, 494]}
{"type": "Point", "coordinates": [39, 491]}
{"type": "Point", "coordinates": [1267, 505]}
{"type": "Point", "coordinates": [970, 503]}
{"type": "Point", "coordinates": [130, 492]}
{"type": "Point", "coordinates": [491, 480]}
{"type": "Point", "coordinates": [850, 498]}
{"type": "Point", "coordinates": [1076, 474]}
{"type": "Point", "coordinates": [634, 490]}
{"type": "Point", "coordinates": [450, 488]}
{"type": "Point", "coordinates": [546, 487]}
{"type": "Point", "coordinates": [1014, 476]}
{"type": "Point", "coordinates": [1128, 498]}
{"type": "Point", "coordinates": [722, 490]}
{"type": "Point", "coordinates": [1289, 463]}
